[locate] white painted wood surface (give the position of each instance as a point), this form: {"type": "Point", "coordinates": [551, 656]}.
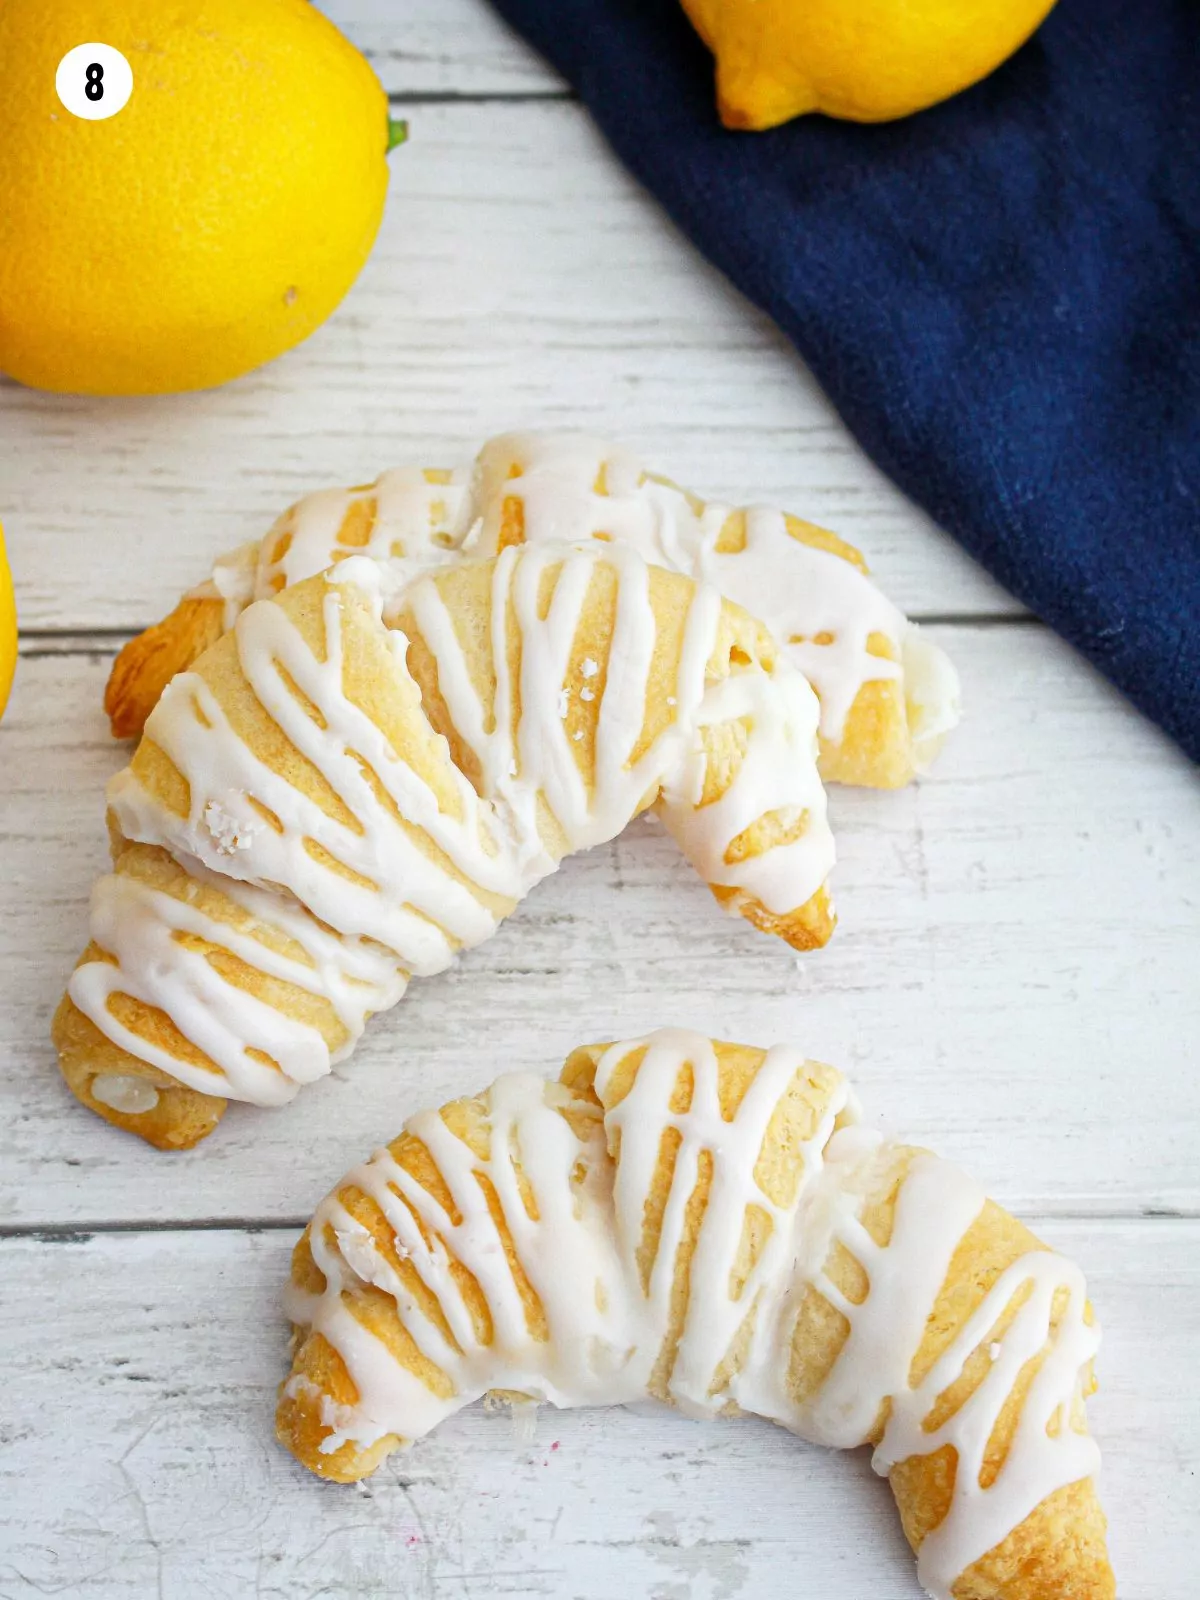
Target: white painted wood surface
{"type": "Point", "coordinates": [442, 47]}
{"type": "Point", "coordinates": [162, 1478]}
{"type": "Point", "coordinates": [1015, 978]}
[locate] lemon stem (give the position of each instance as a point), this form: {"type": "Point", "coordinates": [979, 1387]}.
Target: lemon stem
{"type": "Point", "coordinates": [397, 134]}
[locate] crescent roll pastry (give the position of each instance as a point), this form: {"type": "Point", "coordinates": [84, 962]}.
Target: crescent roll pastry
{"type": "Point", "coordinates": [705, 1224]}
{"type": "Point", "coordinates": [412, 516]}
{"type": "Point", "coordinates": [346, 791]}
{"type": "Point", "coordinates": [888, 696]}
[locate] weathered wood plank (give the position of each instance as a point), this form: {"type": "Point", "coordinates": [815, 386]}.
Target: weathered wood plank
{"type": "Point", "coordinates": [139, 1457]}
{"type": "Point", "coordinates": [1013, 980]}
{"type": "Point", "coordinates": [442, 47]}
{"type": "Point", "coordinates": [521, 280]}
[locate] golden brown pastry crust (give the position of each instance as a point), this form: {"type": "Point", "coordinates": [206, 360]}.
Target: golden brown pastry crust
{"type": "Point", "coordinates": [1057, 1552]}
{"type": "Point", "coordinates": [405, 702]}
{"type": "Point", "coordinates": [876, 746]}
{"type": "Point", "coordinates": [146, 665]}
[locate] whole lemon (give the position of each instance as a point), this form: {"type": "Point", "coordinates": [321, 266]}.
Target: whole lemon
{"type": "Point", "coordinates": [212, 222]}
{"type": "Point", "coordinates": [865, 60]}
{"type": "Point", "coordinates": [8, 628]}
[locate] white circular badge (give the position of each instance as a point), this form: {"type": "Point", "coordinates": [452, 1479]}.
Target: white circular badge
{"type": "Point", "coordinates": [94, 81]}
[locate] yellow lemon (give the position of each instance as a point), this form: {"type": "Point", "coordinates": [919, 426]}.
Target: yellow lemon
{"type": "Point", "coordinates": [866, 60]}
{"type": "Point", "coordinates": [211, 222]}
{"type": "Point", "coordinates": [8, 628]}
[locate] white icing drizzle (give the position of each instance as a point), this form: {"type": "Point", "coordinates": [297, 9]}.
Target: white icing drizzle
{"type": "Point", "coordinates": [605, 1334]}
{"type": "Point", "coordinates": [932, 695]}
{"type": "Point", "coordinates": [408, 516]}
{"type": "Point", "coordinates": [233, 581]}
{"type": "Point", "coordinates": [572, 488]}
{"type": "Point", "coordinates": [120, 1092]}
{"type": "Point", "coordinates": [799, 592]}
{"type": "Point", "coordinates": [364, 902]}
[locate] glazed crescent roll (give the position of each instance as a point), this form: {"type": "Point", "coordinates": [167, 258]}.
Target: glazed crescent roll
{"type": "Point", "coordinates": [353, 786]}
{"type": "Point", "coordinates": [706, 1225]}
{"type": "Point", "coordinates": [888, 696]}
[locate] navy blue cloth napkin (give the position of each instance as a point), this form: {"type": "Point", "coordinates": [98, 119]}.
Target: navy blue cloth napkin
{"type": "Point", "coordinates": [1001, 295]}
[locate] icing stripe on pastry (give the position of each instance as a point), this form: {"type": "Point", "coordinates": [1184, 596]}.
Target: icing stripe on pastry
{"type": "Point", "coordinates": [809, 587]}
{"type": "Point", "coordinates": [364, 874]}
{"type": "Point", "coordinates": [696, 1282]}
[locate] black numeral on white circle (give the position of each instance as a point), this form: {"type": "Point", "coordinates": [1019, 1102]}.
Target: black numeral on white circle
{"type": "Point", "coordinates": [94, 81]}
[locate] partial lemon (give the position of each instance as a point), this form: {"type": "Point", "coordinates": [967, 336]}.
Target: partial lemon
{"type": "Point", "coordinates": [865, 60]}
{"type": "Point", "coordinates": [8, 628]}
{"type": "Point", "coordinates": [212, 222]}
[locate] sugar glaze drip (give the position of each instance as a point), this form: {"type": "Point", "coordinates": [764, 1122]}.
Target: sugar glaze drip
{"type": "Point", "coordinates": [824, 611]}
{"type": "Point", "coordinates": [580, 1254]}
{"type": "Point", "coordinates": [589, 1178]}
{"type": "Point", "coordinates": [414, 516]}
{"type": "Point", "coordinates": [801, 593]}
{"type": "Point", "coordinates": [363, 904]}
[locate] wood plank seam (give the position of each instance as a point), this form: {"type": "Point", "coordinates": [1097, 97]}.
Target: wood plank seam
{"type": "Point", "coordinates": [401, 98]}
{"type": "Point", "coordinates": [79, 1232]}
{"type": "Point", "coordinates": [37, 644]}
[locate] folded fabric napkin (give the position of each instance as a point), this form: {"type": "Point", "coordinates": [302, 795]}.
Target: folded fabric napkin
{"type": "Point", "coordinates": [1001, 295]}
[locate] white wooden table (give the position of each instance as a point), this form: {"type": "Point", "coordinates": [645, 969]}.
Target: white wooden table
{"type": "Point", "coordinates": [1015, 980]}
